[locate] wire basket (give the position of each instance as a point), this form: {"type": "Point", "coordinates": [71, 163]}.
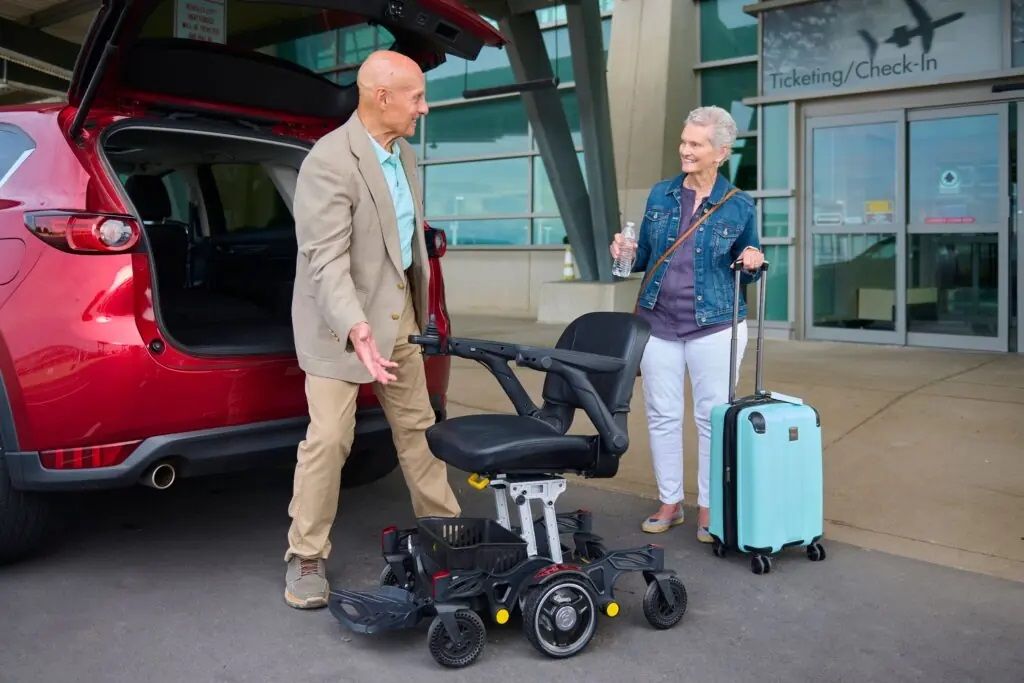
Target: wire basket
{"type": "Point", "coordinates": [471, 544]}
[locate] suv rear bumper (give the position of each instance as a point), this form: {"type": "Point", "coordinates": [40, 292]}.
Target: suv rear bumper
{"type": "Point", "coordinates": [202, 452]}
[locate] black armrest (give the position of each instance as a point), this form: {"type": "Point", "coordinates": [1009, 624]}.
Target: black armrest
{"type": "Point", "coordinates": [496, 355]}
{"type": "Point", "coordinates": [541, 359]}
{"type": "Point", "coordinates": [615, 437]}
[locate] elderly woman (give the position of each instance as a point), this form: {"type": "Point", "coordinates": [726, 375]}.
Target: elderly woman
{"type": "Point", "coordinates": [687, 299]}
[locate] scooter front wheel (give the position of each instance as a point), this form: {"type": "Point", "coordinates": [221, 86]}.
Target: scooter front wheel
{"type": "Point", "coordinates": [457, 655]}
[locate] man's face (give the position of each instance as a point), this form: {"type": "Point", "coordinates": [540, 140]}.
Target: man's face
{"type": "Point", "coordinates": [404, 103]}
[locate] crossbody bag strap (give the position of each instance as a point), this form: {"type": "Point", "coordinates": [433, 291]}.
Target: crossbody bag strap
{"type": "Point", "coordinates": [682, 238]}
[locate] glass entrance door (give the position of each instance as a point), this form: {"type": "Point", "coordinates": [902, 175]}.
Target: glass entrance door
{"type": "Point", "coordinates": [854, 276]}
{"type": "Point", "coordinates": [908, 239]}
{"type": "Point", "coordinates": [958, 228]}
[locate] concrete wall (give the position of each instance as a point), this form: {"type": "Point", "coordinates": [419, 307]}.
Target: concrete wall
{"type": "Point", "coordinates": [504, 282]}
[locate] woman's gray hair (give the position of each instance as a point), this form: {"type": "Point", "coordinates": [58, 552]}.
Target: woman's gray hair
{"type": "Point", "coordinates": [723, 127]}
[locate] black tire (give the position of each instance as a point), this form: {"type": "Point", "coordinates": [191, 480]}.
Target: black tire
{"type": "Point", "coordinates": [815, 552]}
{"type": "Point", "coordinates": [370, 460]}
{"type": "Point", "coordinates": [25, 519]}
{"type": "Point", "coordinates": [758, 565]}
{"type": "Point", "coordinates": [387, 577]}
{"type": "Point", "coordinates": [443, 649]}
{"type": "Point", "coordinates": [718, 549]}
{"type": "Point", "coordinates": [659, 613]}
{"type": "Point", "coordinates": [560, 616]}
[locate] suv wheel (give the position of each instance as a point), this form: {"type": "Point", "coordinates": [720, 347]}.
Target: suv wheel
{"type": "Point", "coordinates": [24, 519]}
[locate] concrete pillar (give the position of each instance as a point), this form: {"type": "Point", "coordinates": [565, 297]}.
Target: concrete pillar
{"type": "Point", "coordinates": [652, 86]}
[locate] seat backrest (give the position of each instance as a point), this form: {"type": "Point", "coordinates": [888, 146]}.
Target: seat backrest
{"type": "Point", "coordinates": [620, 335]}
{"type": "Point", "coordinates": [149, 196]}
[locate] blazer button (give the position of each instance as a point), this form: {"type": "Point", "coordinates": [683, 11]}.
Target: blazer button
{"type": "Point", "coordinates": [395, 316]}
{"type": "Point", "coordinates": [401, 285]}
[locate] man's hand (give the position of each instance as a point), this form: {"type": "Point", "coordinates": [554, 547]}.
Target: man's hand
{"type": "Point", "coordinates": [752, 259]}
{"type": "Point", "coordinates": [366, 349]}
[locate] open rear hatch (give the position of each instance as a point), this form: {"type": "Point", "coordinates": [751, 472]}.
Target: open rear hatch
{"type": "Point", "coordinates": [217, 55]}
{"type": "Point", "coordinates": [213, 197]}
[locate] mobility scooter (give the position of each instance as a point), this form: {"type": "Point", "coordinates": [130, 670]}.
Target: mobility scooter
{"type": "Point", "coordinates": [454, 570]}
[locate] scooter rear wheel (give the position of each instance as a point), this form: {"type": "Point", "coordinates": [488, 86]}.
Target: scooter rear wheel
{"type": "Point", "coordinates": [560, 616]}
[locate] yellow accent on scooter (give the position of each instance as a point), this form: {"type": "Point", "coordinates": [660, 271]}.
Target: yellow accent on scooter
{"type": "Point", "coordinates": [478, 482]}
{"type": "Point", "coordinates": [501, 616]}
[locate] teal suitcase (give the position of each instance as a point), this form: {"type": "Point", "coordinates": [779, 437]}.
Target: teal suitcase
{"type": "Point", "coordinates": [766, 484]}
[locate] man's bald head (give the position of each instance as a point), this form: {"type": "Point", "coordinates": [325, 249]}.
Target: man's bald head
{"type": "Point", "coordinates": [392, 95]}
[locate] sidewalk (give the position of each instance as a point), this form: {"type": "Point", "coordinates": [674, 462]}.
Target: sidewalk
{"type": "Point", "coordinates": [924, 449]}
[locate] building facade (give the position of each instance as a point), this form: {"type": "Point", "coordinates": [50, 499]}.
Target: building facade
{"type": "Point", "coordinates": [879, 137]}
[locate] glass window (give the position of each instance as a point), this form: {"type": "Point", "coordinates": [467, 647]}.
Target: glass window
{"type": "Point", "coordinates": [954, 170]}
{"type": "Point", "coordinates": [775, 147]}
{"type": "Point", "coordinates": [313, 52]}
{"type": "Point", "coordinates": [742, 166]}
{"type": "Point", "coordinates": [854, 171]}
{"type": "Point", "coordinates": [775, 217]}
{"type": "Point", "coordinates": [559, 53]}
{"type": "Point", "coordinates": [15, 145]}
{"type": "Point", "coordinates": [548, 231]}
{"type": "Point", "coordinates": [478, 188]}
{"type": "Point", "coordinates": [249, 198]}
{"type": "Point", "coordinates": [357, 42]}
{"type": "Point", "coordinates": [543, 196]}
{"type": "Point", "coordinates": [776, 305]}
{"type": "Point", "coordinates": [506, 232]}
{"type": "Point", "coordinates": [726, 87]}
{"type": "Point", "coordinates": [855, 281]}
{"type": "Point", "coordinates": [490, 127]}
{"type": "Point", "coordinates": [953, 284]}
{"type": "Point", "coordinates": [726, 31]}
{"type": "Point", "coordinates": [180, 195]}
{"type": "Point", "coordinates": [447, 80]}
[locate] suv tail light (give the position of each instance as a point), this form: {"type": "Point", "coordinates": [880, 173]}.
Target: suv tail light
{"type": "Point", "coordinates": [437, 242]}
{"type": "Point", "coordinates": [84, 232]}
{"type": "Point", "coordinates": [87, 457]}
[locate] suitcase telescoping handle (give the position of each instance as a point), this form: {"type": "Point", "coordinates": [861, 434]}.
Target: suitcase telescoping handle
{"type": "Point", "coordinates": [737, 268]}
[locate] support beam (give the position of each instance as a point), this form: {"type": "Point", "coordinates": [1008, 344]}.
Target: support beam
{"type": "Point", "coordinates": [39, 50]}
{"type": "Point", "coordinates": [529, 60]}
{"type": "Point", "coordinates": [62, 11]}
{"type": "Point", "coordinates": [588, 65]}
{"type": "Point", "coordinates": [20, 77]}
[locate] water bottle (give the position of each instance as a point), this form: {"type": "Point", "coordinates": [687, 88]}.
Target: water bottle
{"type": "Point", "coordinates": [623, 265]}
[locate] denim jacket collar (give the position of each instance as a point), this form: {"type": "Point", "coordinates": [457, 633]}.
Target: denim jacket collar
{"type": "Point", "coordinates": [722, 185]}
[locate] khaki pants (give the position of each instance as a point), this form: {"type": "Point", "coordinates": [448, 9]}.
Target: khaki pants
{"type": "Point", "coordinates": [332, 409]}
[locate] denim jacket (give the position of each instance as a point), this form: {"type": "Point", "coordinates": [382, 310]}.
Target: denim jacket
{"type": "Point", "coordinates": [717, 243]}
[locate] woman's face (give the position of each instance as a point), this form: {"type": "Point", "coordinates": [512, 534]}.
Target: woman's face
{"type": "Point", "coordinates": [696, 152]}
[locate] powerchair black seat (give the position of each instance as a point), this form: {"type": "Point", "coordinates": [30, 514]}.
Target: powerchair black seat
{"type": "Point", "coordinates": [593, 367]}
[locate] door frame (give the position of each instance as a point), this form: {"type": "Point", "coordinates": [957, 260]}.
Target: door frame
{"type": "Point", "coordinates": [897, 228]}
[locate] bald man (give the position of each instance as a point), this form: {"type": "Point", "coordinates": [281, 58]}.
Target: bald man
{"type": "Point", "coordinates": [360, 291]}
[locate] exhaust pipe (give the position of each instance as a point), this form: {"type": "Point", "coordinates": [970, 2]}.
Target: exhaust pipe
{"type": "Point", "coordinates": [160, 476]}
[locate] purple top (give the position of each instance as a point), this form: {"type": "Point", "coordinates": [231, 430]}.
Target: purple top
{"type": "Point", "coordinates": [674, 317]}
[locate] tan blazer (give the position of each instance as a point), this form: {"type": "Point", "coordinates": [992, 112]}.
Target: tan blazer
{"type": "Point", "coordinates": [349, 266]}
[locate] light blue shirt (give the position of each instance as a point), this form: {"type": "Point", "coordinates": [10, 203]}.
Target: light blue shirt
{"type": "Point", "coordinates": [401, 196]}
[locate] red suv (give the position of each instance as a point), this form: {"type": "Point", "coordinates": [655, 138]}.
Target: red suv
{"type": "Point", "coordinates": [147, 248]}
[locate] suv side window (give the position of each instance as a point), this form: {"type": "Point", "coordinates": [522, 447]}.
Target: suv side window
{"type": "Point", "coordinates": [15, 147]}
{"type": "Point", "coordinates": [249, 199]}
{"type": "Point", "coordinates": [180, 195]}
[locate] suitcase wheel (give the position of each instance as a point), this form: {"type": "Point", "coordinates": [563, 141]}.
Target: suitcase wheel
{"type": "Point", "coordinates": [815, 552]}
{"type": "Point", "coordinates": [760, 564]}
{"type": "Point", "coordinates": [718, 549]}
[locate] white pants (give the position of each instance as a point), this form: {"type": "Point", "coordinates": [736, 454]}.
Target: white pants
{"type": "Point", "coordinates": [663, 366]}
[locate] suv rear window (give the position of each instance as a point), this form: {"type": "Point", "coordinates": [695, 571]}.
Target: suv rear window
{"type": "Point", "coordinates": [15, 146]}
{"type": "Point", "coordinates": [249, 199]}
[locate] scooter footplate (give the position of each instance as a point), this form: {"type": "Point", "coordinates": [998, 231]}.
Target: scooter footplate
{"type": "Point", "coordinates": [385, 609]}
